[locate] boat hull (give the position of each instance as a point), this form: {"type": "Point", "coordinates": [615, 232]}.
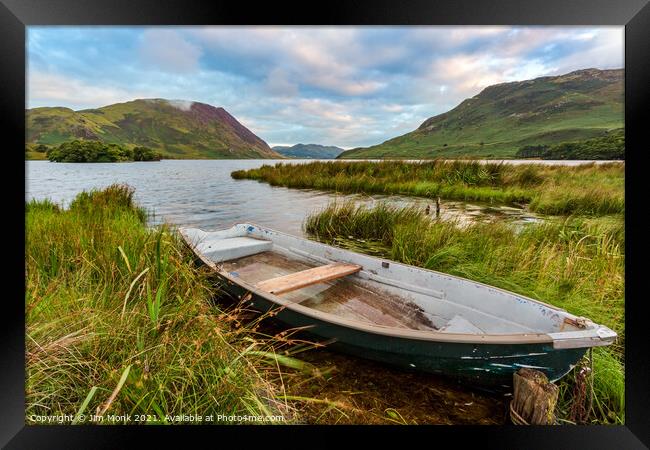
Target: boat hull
{"type": "Point", "coordinates": [486, 365]}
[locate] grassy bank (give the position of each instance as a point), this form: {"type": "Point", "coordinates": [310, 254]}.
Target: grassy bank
{"type": "Point", "coordinates": [119, 321]}
{"type": "Point", "coordinates": [586, 189]}
{"type": "Point", "coordinates": [576, 264]}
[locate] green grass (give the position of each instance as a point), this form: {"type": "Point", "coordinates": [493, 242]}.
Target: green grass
{"type": "Point", "coordinates": [557, 190]}
{"type": "Point", "coordinates": [119, 321]}
{"type": "Point", "coordinates": [574, 263]}
{"type": "Point", "coordinates": [35, 156]}
{"type": "Point", "coordinates": [501, 142]}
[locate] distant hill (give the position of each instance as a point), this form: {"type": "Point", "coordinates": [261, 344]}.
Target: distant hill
{"type": "Point", "coordinates": [504, 118]}
{"type": "Point", "coordinates": [177, 129]}
{"type": "Point", "coordinates": [309, 151]}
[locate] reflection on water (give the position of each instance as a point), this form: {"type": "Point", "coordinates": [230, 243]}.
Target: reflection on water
{"type": "Point", "coordinates": [201, 193]}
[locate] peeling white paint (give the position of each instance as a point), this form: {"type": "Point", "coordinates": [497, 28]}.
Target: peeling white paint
{"type": "Point", "coordinates": [503, 356]}
{"type": "Point", "coordinates": [531, 367]}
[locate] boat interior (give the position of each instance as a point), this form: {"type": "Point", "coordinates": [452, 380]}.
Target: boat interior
{"type": "Point", "coordinates": [370, 290]}
{"type": "Point", "coordinates": [337, 293]}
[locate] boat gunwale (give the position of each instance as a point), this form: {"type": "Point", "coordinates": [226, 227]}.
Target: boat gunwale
{"type": "Point", "coordinates": [582, 339]}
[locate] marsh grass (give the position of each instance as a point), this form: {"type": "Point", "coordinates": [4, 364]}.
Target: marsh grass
{"type": "Point", "coordinates": [575, 263]}
{"type": "Point", "coordinates": [120, 321]}
{"type": "Point", "coordinates": [346, 220]}
{"type": "Point", "coordinates": [557, 190]}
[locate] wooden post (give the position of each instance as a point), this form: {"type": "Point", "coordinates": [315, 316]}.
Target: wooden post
{"type": "Point", "coordinates": [437, 207]}
{"type": "Point", "coordinates": [534, 398]}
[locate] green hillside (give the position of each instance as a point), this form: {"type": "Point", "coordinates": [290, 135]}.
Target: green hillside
{"type": "Point", "coordinates": [176, 129]}
{"type": "Point", "coordinates": [503, 118]}
{"type": "Point", "coordinates": [309, 151]}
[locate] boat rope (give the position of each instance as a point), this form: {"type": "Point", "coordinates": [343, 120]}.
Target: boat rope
{"type": "Point", "coordinates": [584, 381]}
{"type": "Point", "coordinates": [591, 380]}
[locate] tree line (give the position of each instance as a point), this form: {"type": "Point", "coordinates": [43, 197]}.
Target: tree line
{"type": "Point", "coordinates": [95, 151]}
{"type": "Point", "coordinates": [610, 146]}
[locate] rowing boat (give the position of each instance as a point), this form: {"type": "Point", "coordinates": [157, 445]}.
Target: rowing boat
{"type": "Point", "coordinates": [396, 313]}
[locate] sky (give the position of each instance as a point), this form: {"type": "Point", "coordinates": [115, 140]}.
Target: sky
{"type": "Point", "coordinates": [344, 86]}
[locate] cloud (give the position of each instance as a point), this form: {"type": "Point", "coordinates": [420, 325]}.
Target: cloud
{"type": "Point", "coordinates": [392, 108]}
{"type": "Point", "coordinates": [604, 51]}
{"type": "Point", "coordinates": [345, 86]}
{"type": "Point", "coordinates": [183, 105]}
{"type": "Point", "coordinates": [323, 58]}
{"type": "Point", "coordinates": [277, 83]}
{"type": "Point", "coordinates": [47, 89]}
{"type": "Point", "coordinates": [466, 73]}
{"type": "Point", "coordinates": [169, 50]}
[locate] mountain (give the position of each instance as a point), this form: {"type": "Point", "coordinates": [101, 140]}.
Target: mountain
{"type": "Point", "coordinates": [309, 151]}
{"type": "Point", "coordinates": [177, 129]}
{"type": "Point", "coordinates": [505, 117]}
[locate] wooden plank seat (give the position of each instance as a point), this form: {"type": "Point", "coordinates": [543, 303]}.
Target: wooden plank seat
{"type": "Point", "coordinates": [298, 280]}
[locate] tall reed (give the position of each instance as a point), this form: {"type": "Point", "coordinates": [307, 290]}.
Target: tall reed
{"type": "Point", "coordinates": [558, 190]}
{"type": "Point", "coordinates": [574, 263]}
{"type": "Point", "coordinates": [120, 321]}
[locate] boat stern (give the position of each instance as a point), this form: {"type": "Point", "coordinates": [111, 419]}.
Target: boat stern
{"type": "Point", "coordinates": [592, 336]}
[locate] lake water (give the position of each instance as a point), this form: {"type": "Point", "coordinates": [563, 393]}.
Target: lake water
{"type": "Point", "coordinates": [202, 193]}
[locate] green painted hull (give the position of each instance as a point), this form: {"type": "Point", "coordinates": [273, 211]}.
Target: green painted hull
{"type": "Point", "coordinates": [483, 365]}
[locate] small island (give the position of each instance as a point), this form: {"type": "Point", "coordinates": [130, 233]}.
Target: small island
{"type": "Point", "coordinates": [95, 151]}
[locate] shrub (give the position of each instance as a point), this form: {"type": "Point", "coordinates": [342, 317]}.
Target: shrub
{"type": "Point", "coordinates": [95, 151]}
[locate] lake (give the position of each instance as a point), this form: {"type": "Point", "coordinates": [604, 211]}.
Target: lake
{"type": "Point", "coordinates": [201, 193]}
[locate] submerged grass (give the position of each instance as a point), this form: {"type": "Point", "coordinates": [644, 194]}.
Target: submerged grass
{"type": "Point", "coordinates": [559, 190]}
{"type": "Point", "coordinates": [575, 263]}
{"type": "Point", "coordinates": [119, 321]}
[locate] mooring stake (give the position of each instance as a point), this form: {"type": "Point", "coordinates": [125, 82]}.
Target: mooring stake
{"type": "Point", "coordinates": [534, 398]}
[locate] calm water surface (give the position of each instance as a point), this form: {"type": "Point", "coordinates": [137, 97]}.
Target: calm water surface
{"type": "Point", "coordinates": [201, 193]}
{"type": "Point", "coordinates": [183, 192]}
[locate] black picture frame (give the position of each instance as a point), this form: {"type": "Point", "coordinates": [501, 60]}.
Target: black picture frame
{"type": "Point", "coordinates": [16, 15]}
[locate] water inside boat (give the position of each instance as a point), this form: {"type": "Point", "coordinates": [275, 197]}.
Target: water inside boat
{"type": "Point", "coordinates": [340, 296]}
